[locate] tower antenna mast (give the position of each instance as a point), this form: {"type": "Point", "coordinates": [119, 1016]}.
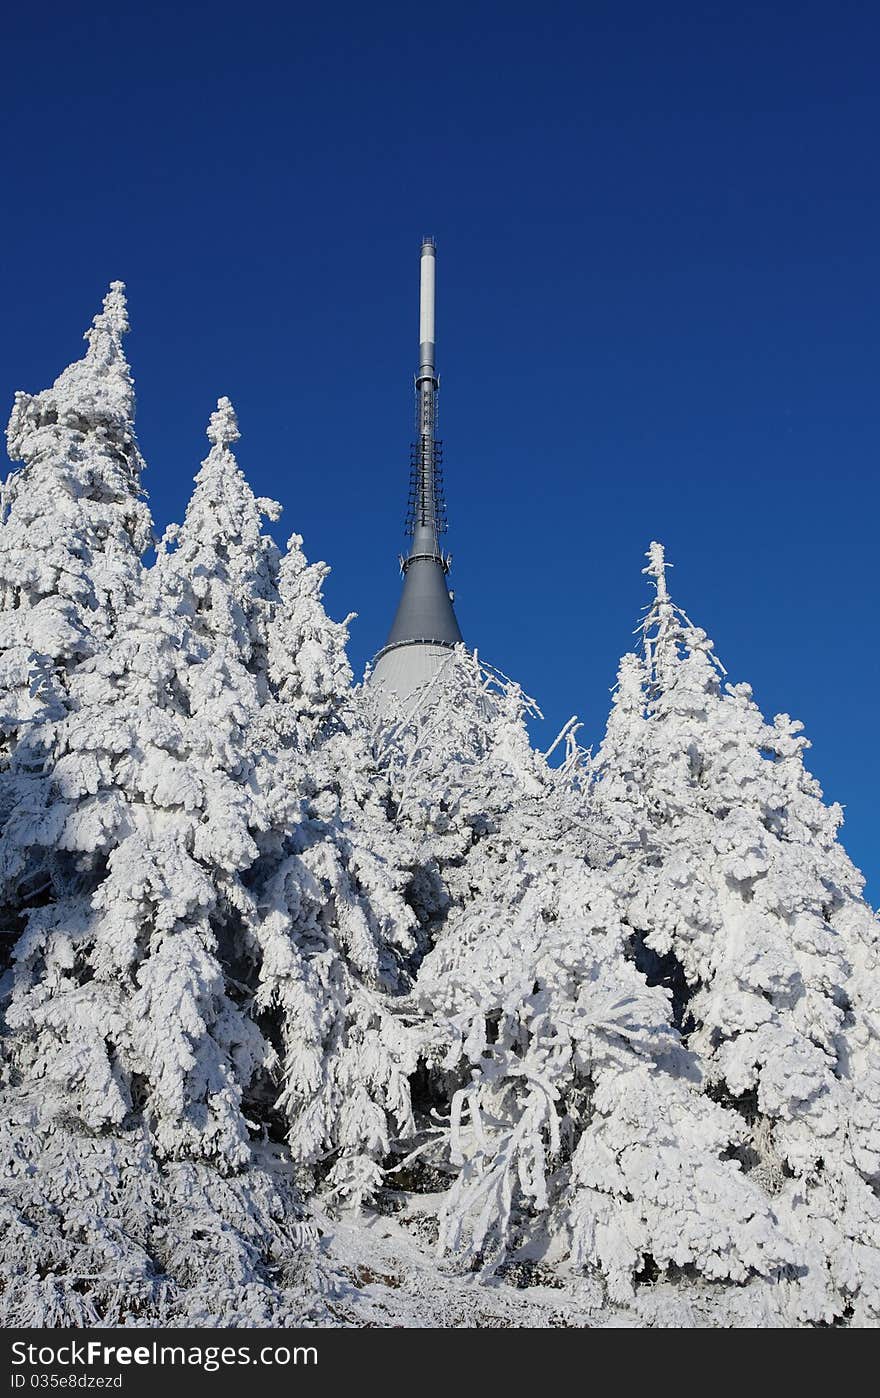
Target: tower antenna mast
{"type": "Point", "coordinates": [425, 627]}
{"type": "Point", "coordinates": [426, 520]}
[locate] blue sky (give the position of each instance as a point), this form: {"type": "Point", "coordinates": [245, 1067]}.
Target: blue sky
{"type": "Point", "coordinates": [658, 308]}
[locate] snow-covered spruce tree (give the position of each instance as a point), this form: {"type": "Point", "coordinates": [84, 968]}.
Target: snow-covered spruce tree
{"type": "Point", "coordinates": [557, 1098]}
{"type": "Point", "coordinates": [316, 927]}
{"type": "Point", "coordinates": [227, 567]}
{"type": "Point", "coordinates": [741, 900]}
{"type": "Point", "coordinates": [73, 522]}
{"type": "Point", "coordinates": [335, 932]}
{"type": "Point", "coordinates": [147, 792]}
{"type": "Point", "coordinates": [129, 1044]}
{"type": "Point", "coordinates": [73, 527]}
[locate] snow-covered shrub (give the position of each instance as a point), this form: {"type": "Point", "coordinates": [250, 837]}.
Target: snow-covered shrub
{"type": "Point", "coordinates": [94, 1230]}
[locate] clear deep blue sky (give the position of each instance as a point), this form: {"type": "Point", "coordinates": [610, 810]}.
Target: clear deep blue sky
{"type": "Point", "coordinates": [658, 307]}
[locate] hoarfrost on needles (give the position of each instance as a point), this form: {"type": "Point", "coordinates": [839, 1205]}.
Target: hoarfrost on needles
{"type": "Point", "coordinates": [282, 961]}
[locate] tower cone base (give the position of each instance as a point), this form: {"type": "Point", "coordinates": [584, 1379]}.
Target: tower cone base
{"type": "Point", "coordinates": [406, 670]}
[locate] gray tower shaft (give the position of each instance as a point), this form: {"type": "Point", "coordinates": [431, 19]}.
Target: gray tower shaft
{"type": "Point", "coordinates": [426, 522]}
{"type": "Point", "coordinates": [425, 616]}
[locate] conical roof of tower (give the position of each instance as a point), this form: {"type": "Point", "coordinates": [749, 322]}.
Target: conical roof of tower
{"type": "Point", "coordinates": [425, 612]}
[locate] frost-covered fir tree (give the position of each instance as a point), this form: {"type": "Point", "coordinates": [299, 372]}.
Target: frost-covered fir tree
{"type": "Point", "coordinates": [318, 924]}
{"type": "Point", "coordinates": [742, 901]}
{"type": "Point", "coordinates": [125, 1021]}
{"type": "Point", "coordinates": [228, 566]}
{"type": "Point", "coordinates": [335, 931]}
{"type": "Point", "coordinates": [556, 1098]}
{"type": "Point", "coordinates": [148, 797]}
{"type": "Point", "coordinates": [74, 523]}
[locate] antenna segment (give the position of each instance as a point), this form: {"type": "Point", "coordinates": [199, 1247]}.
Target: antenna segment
{"type": "Point", "coordinates": [426, 514]}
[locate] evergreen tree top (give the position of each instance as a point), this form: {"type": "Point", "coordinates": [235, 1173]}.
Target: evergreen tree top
{"type": "Point", "coordinates": [95, 392]}
{"type": "Point", "coordinates": [669, 637]}
{"type": "Point", "coordinates": [112, 319]}
{"type": "Point", "coordinates": [75, 523]}
{"type": "Point", "coordinates": [222, 429]}
{"type": "Point", "coordinates": [656, 569]}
